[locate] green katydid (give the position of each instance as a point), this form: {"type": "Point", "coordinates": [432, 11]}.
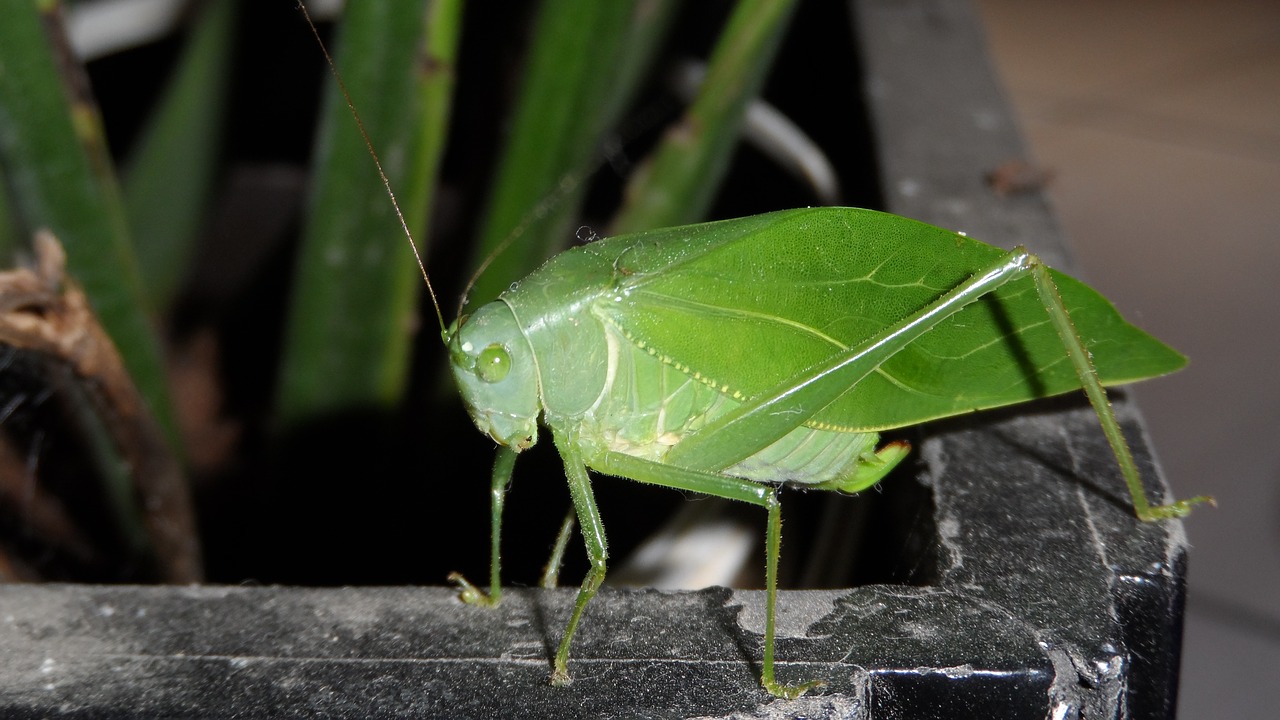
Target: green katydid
{"type": "Point", "coordinates": [735, 357]}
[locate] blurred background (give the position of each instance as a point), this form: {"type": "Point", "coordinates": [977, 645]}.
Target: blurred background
{"type": "Point", "coordinates": [1160, 122]}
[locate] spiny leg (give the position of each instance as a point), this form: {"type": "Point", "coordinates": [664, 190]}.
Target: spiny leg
{"type": "Point", "coordinates": [1101, 405]}
{"type": "Point", "coordinates": [597, 548]}
{"type": "Point", "coordinates": [765, 419]}
{"type": "Point", "coordinates": [504, 463]}
{"type": "Point", "coordinates": [730, 488]}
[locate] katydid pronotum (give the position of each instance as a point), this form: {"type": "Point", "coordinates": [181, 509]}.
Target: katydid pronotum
{"type": "Point", "coordinates": [736, 357]}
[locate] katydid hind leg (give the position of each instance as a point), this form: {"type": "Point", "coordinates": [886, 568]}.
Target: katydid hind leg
{"type": "Point", "coordinates": [1088, 375]}
{"type": "Point", "coordinates": [765, 419]}
{"type": "Point", "coordinates": [503, 466]}
{"type": "Point", "coordinates": [729, 488]}
{"type": "Point", "coordinates": [755, 424]}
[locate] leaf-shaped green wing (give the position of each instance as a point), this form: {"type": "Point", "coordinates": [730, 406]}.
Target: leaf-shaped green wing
{"type": "Point", "coordinates": [746, 304]}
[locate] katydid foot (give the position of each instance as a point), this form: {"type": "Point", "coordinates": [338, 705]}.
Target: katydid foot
{"type": "Point", "coordinates": [560, 676]}
{"type": "Point", "coordinates": [472, 595]}
{"type": "Point", "coordinates": [791, 692]}
{"type": "Point", "coordinates": [1178, 509]}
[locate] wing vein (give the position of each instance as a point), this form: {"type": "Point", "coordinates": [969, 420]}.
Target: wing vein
{"type": "Point", "coordinates": [678, 303]}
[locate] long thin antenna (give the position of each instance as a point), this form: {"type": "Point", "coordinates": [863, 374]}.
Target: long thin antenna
{"type": "Point", "coordinates": [566, 185]}
{"type": "Point", "coordinates": [346, 96]}
{"type": "Point", "coordinates": [608, 152]}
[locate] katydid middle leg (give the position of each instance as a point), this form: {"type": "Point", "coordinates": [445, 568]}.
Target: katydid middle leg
{"type": "Point", "coordinates": [729, 488]}
{"type": "Point", "coordinates": [584, 502]}
{"type": "Point", "coordinates": [551, 571]}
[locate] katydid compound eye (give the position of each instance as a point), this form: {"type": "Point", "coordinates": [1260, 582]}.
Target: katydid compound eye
{"type": "Point", "coordinates": [493, 364]}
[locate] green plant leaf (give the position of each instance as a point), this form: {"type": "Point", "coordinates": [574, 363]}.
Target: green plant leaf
{"type": "Point", "coordinates": [355, 288]}
{"type": "Point", "coordinates": [60, 177]}
{"type": "Point", "coordinates": [677, 183]}
{"type": "Point", "coordinates": [171, 174]}
{"type": "Point", "coordinates": [584, 63]}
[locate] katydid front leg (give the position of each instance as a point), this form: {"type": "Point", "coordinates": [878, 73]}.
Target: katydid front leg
{"type": "Point", "coordinates": [504, 463]}
{"type": "Point", "coordinates": [503, 467]}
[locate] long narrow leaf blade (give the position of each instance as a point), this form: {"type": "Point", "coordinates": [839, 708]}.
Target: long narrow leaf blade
{"type": "Point", "coordinates": [584, 63]}
{"type": "Point", "coordinates": [356, 283]}
{"type": "Point", "coordinates": [60, 177]}
{"type": "Point", "coordinates": [170, 178]}
{"type": "Point", "coordinates": [677, 184]}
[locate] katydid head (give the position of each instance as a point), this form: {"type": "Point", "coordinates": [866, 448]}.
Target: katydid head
{"type": "Point", "coordinates": [492, 360]}
{"type": "Point", "coordinates": [497, 377]}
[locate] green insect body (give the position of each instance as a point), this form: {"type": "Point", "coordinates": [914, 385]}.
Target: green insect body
{"type": "Point", "coordinates": [732, 357]}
